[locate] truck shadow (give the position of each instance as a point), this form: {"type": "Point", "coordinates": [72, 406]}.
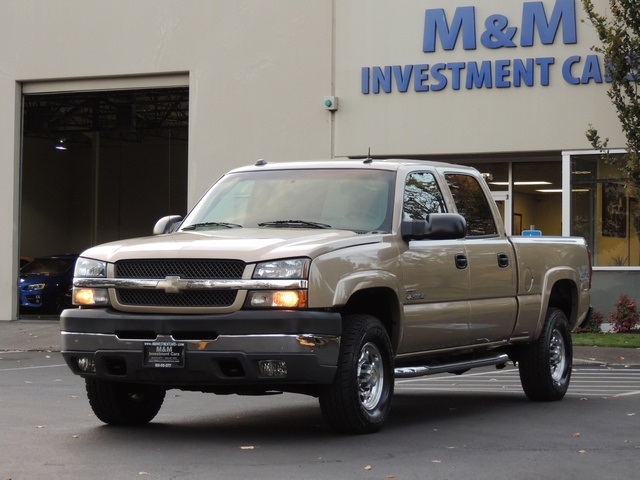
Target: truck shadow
{"type": "Point", "coordinates": [285, 423]}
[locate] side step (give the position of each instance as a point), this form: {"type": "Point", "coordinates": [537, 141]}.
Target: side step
{"type": "Point", "coordinates": [498, 359]}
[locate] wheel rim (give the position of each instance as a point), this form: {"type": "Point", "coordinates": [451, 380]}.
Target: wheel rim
{"type": "Point", "coordinates": [557, 356]}
{"type": "Point", "coordinates": [370, 376]}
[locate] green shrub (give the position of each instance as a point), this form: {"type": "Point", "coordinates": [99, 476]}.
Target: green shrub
{"type": "Point", "coordinates": [594, 325]}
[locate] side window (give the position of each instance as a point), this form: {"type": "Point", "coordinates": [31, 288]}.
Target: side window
{"type": "Point", "coordinates": [472, 204]}
{"type": "Point", "coordinates": [422, 196]}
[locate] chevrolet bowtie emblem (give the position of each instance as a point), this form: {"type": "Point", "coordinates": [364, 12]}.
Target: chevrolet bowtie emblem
{"type": "Point", "coordinates": [172, 284]}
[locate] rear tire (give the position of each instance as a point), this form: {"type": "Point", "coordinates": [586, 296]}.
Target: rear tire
{"type": "Point", "coordinates": [123, 404]}
{"type": "Point", "coordinates": [359, 399]}
{"type": "Point", "coordinates": [545, 365]}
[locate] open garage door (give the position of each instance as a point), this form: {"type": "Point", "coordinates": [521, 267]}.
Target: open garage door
{"type": "Point", "coordinates": [99, 166]}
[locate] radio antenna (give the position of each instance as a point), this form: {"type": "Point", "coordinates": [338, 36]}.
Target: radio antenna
{"type": "Point", "coordinates": [368, 159]}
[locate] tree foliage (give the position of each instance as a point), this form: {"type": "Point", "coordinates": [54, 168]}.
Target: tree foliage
{"type": "Point", "coordinates": [619, 32]}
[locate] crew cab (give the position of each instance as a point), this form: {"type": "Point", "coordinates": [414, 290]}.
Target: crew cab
{"type": "Point", "coordinates": [326, 278]}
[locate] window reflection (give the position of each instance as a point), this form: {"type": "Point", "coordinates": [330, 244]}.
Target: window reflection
{"type": "Point", "coordinates": [422, 196]}
{"type": "Point", "coordinates": [472, 204]}
{"type": "Point", "coordinates": [604, 211]}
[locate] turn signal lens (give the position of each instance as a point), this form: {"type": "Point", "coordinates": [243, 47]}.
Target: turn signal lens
{"type": "Point", "coordinates": [287, 299]}
{"type": "Point", "coordinates": [87, 297]}
{"type": "Point", "coordinates": [278, 299]}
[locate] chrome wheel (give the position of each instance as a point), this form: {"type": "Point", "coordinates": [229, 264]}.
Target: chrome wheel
{"type": "Point", "coordinates": [370, 376]}
{"type": "Point", "coordinates": [557, 356]}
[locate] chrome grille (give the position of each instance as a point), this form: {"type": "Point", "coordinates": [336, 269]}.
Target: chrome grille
{"type": "Point", "coordinates": [183, 268]}
{"type": "Point", "coordinates": [187, 298]}
{"type": "Point", "coordinates": [186, 269]}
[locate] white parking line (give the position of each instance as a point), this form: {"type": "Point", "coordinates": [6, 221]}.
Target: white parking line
{"type": "Point", "coordinates": [33, 367]}
{"type": "Point", "coordinates": [627, 394]}
{"type": "Point", "coordinates": [605, 382]}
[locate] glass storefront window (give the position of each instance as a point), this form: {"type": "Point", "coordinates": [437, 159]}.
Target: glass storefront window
{"type": "Point", "coordinates": [604, 211]}
{"type": "Point", "coordinates": [537, 196]}
{"type": "Point", "coordinates": [534, 194]}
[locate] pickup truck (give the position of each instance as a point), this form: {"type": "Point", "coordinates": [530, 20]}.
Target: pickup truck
{"type": "Point", "coordinates": [326, 278]}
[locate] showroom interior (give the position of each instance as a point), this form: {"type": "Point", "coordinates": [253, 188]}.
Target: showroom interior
{"type": "Point", "coordinates": [100, 166]}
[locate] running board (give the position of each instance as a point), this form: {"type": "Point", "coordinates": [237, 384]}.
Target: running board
{"type": "Point", "coordinates": [420, 371]}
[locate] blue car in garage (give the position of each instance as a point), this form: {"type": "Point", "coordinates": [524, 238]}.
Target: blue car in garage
{"type": "Point", "coordinates": [45, 284]}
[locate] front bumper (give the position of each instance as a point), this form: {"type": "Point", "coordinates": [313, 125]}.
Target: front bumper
{"type": "Point", "coordinates": [220, 351]}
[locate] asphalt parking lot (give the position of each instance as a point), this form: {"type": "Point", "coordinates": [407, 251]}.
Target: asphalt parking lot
{"type": "Point", "coordinates": [478, 425]}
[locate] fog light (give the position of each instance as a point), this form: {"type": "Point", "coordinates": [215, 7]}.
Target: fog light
{"type": "Point", "coordinates": [273, 368]}
{"type": "Point", "coordinates": [86, 364]}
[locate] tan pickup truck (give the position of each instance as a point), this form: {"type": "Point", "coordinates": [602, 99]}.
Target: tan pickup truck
{"type": "Point", "coordinates": [330, 279]}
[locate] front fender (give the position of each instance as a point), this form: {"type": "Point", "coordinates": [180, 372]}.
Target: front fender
{"type": "Point", "coordinates": [367, 279]}
{"type": "Point", "coordinates": [335, 276]}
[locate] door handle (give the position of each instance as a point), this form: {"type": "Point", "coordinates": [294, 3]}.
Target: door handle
{"type": "Point", "coordinates": [461, 261]}
{"type": "Point", "coordinates": [503, 260]}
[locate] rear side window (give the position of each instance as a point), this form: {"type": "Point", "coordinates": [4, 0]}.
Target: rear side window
{"type": "Point", "coordinates": [472, 204]}
{"type": "Point", "coordinates": [422, 196]}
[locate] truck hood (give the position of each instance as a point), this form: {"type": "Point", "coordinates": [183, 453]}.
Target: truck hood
{"type": "Point", "coordinates": [247, 244]}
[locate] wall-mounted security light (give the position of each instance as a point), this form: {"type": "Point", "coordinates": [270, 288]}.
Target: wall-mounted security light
{"type": "Point", "coordinates": [61, 145]}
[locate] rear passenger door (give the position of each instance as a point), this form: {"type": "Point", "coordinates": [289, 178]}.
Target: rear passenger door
{"type": "Point", "coordinates": [436, 310]}
{"type": "Point", "coordinates": [491, 263]}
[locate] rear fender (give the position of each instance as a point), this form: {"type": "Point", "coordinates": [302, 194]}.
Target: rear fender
{"type": "Point", "coordinates": [553, 276]}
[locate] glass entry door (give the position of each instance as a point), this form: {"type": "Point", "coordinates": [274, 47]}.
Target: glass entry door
{"type": "Point", "coordinates": [504, 205]}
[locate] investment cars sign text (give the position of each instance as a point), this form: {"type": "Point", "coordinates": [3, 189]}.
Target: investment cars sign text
{"type": "Point", "coordinates": [498, 32]}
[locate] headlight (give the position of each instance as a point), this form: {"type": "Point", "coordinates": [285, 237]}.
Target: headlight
{"type": "Point", "coordinates": [90, 297]}
{"type": "Point", "coordinates": [89, 268]}
{"type": "Point", "coordinates": [35, 286]}
{"type": "Point", "coordinates": [290, 268]}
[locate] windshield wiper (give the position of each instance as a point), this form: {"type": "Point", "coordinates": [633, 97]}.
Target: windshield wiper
{"type": "Point", "coordinates": [212, 224]}
{"type": "Point", "coordinates": [294, 224]}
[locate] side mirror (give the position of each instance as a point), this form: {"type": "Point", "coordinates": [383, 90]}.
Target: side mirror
{"type": "Point", "coordinates": [167, 224]}
{"type": "Point", "coordinates": [437, 226]}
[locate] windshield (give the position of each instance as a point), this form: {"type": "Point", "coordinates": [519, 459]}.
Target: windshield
{"type": "Point", "coordinates": [343, 199]}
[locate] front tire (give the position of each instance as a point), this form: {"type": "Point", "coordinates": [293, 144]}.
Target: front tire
{"type": "Point", "coordinates": [123, 404]}
{"type": "Point", "coordinates": [359, 399]}
{"type": "Point", "coordinates": [545, 365]}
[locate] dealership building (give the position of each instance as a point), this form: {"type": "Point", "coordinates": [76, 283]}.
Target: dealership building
{"type": "Point", "coordinates": [117, 113]}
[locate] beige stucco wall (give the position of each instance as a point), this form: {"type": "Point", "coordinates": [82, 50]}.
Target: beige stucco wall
{"type": "Point", "coordinates": [258, 72]}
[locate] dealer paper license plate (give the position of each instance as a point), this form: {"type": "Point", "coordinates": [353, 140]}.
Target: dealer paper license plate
{"type": "Point", "coordinates": [164, 354]}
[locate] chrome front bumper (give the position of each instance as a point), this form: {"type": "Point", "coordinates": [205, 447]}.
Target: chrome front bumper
{"type": "Point", "coordinates": [217, 350]}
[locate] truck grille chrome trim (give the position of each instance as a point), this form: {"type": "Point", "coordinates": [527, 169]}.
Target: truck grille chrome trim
{"type": "Point", "coordinates": [187, 284]}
